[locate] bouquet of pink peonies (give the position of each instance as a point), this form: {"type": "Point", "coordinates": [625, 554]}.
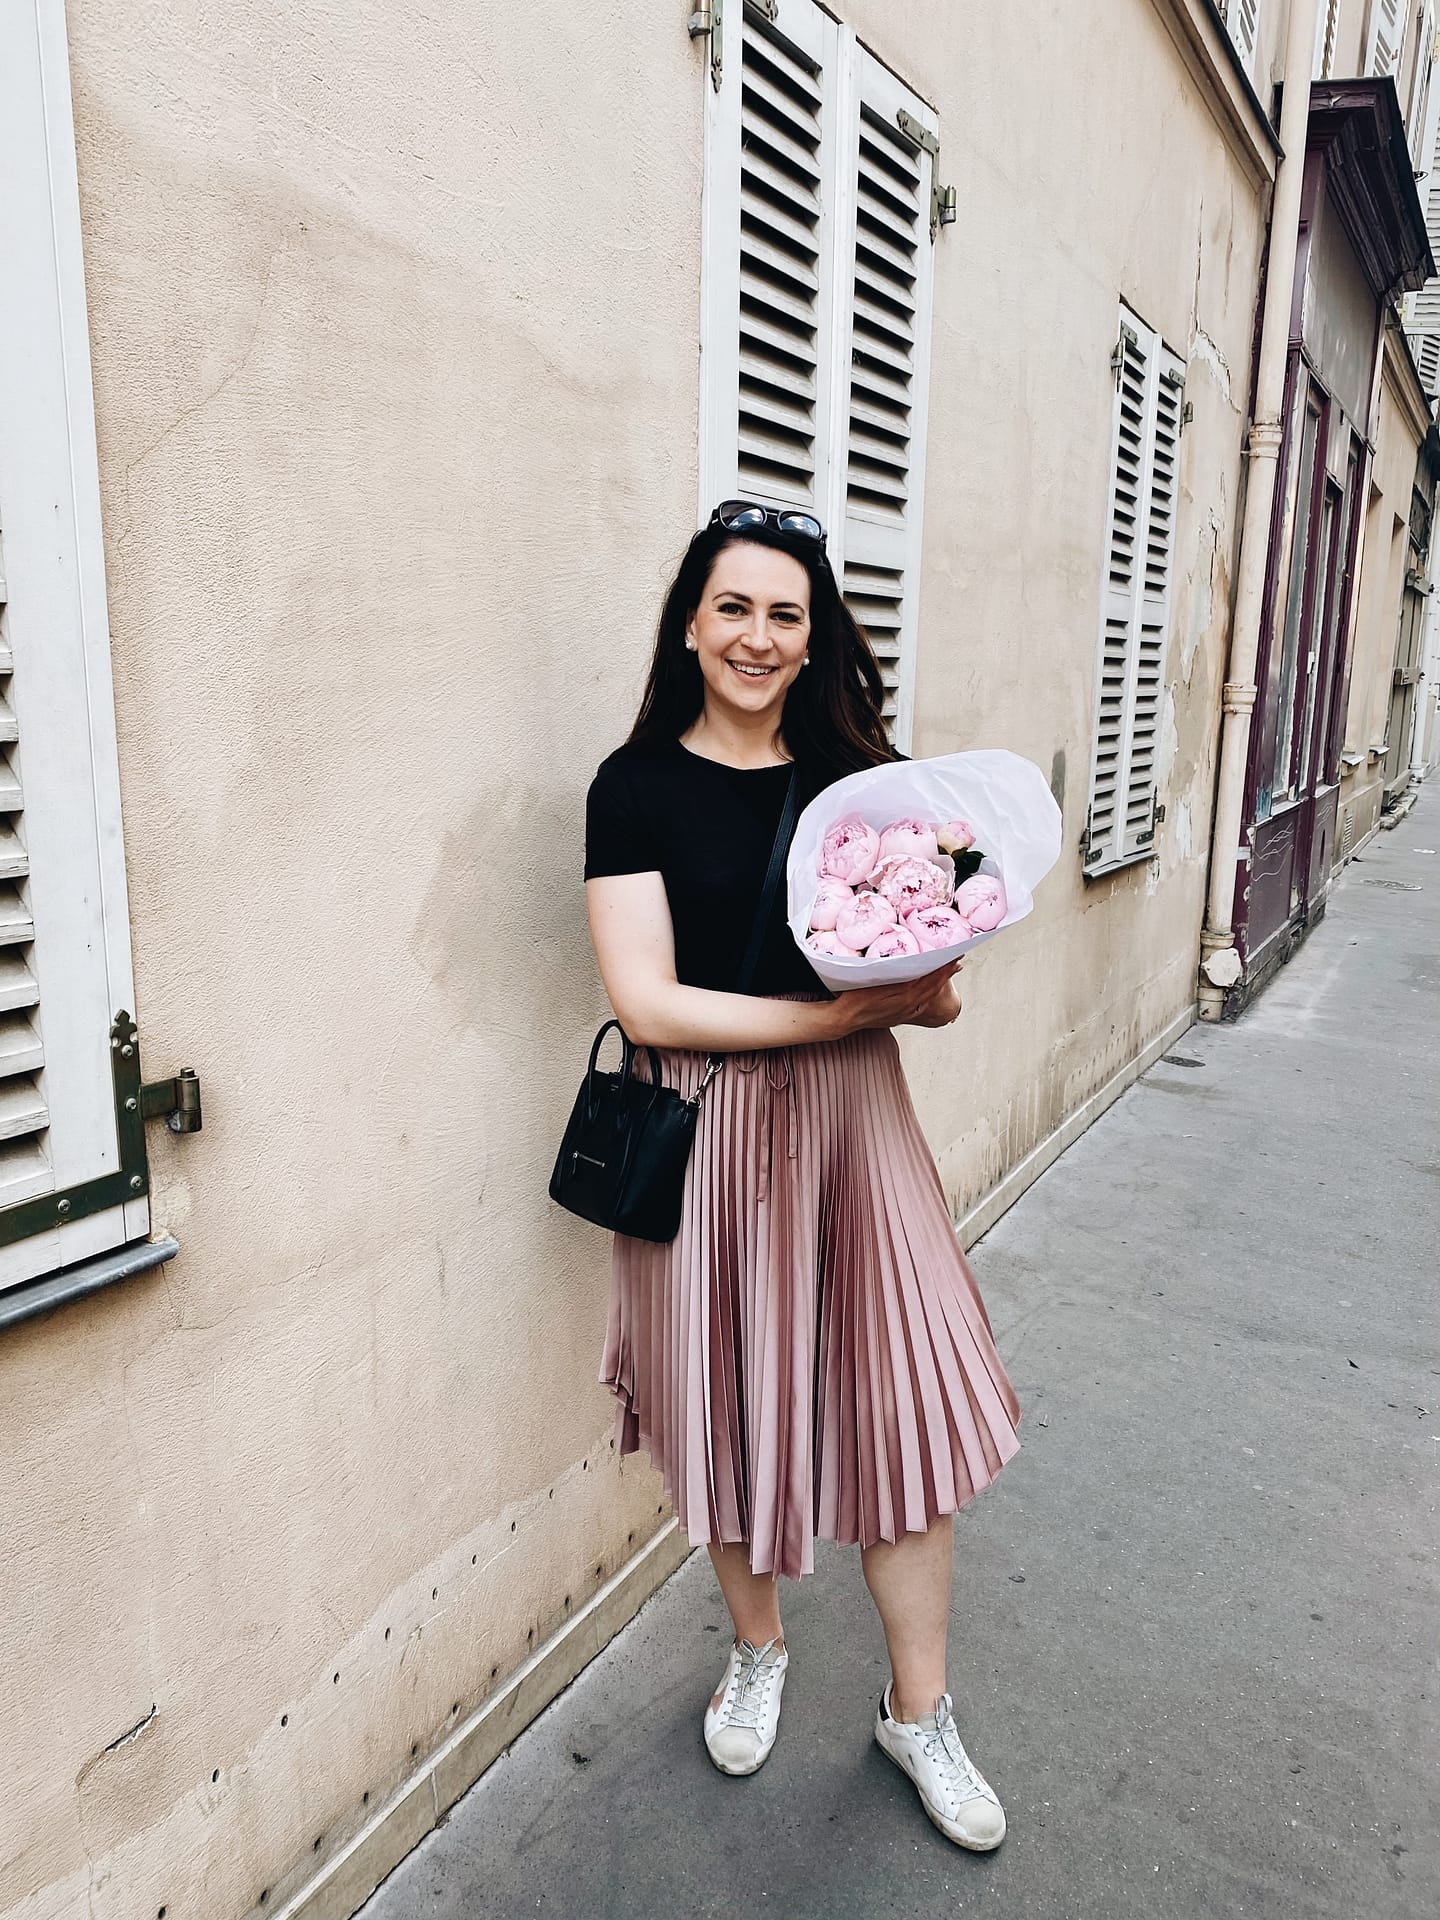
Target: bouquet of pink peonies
{"type": "Point", "coordinates": [897, 869]}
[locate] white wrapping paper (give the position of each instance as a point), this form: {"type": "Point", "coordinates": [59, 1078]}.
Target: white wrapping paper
{"type": "Point", "coordinates": [1005, 798]}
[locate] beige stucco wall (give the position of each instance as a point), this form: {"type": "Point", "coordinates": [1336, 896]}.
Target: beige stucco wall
{"type": "Point", "coordinates": [393, 317]}
{"type": "Point", "coordinates": [394, 325]}
{"type": "Point", "coordinates": [1028, 285]}
{"type": "Point", "coordinates": [1401, 428]}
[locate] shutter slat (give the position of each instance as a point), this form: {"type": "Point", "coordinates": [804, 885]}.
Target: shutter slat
{"type": "Point", "coordinates": [16, 925]}
{"type": "Point", "coordinates": [18, 986]}
{"type": "Point", "coordinates": [22, 1111]}
{"type": "Point", "coordinates": [20, 1048]}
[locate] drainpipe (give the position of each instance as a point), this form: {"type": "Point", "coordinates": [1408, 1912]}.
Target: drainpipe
{"type": "Point", "coordinates": [1219, 961]}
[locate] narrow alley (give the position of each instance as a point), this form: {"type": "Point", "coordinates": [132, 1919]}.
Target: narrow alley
{"type": "Point", "coordinates": [1194, 1622]}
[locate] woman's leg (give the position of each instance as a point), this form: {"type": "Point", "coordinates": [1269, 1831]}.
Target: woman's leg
{"type": "Point", "coordinates": [910, 1585]}
{"type": "Point", "coordinates": [753, 1598]}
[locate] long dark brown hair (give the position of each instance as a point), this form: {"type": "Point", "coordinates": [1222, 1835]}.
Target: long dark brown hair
{"type": "Point", "coordinates": [832, 718]}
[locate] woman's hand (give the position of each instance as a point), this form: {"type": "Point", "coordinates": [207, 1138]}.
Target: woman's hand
{"type": "Point", "coordinates": [931, 1001]}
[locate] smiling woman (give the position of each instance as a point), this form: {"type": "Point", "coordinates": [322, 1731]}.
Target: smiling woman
{"type": "Point", "coordinates": [809, 1357]}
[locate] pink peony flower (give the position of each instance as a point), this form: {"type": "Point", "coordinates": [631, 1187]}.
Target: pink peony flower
{"type": "Point", "coordinates": [864, 919]}
{"type": "Point", "coordinates": [981, 900]}
{"type": "Point", "coordinates": [849, 851]}
{"type": "Point", "coordinates": [893, 941]}
{"type": "Point", "coordinates": [956, 836]}
{"type": "Point", "coordinates": [830, 896]}
{"type": "Point", "coordinates": [935, 927]}
{"type": "Point", "coordinates": [831, 945]}
{"type": "Point", "coordinates": [908, 883]}
{"type": "Point", "coordinates": [912, 838]}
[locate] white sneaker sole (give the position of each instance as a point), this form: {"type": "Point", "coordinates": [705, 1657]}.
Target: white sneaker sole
{"type": "Point", "coordinates": [739, 1773]}
{"type": "Point", "coordinates": [933, 1813]}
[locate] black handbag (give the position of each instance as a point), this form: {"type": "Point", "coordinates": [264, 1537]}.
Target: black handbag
{"type": "Point", "coordinates": [623, 1157]}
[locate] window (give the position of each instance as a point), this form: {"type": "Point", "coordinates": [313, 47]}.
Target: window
{"type": "Point", "coordinates": [1382, 41]}
{"type": "Point", "coordinates": [67, 1156]}
{"type": "Point", "coordinates": [820, 218]}
{"type": "Point", "coordinates": [1135, 610]}
{"type": "Point", "coordinates": [1242, 17]}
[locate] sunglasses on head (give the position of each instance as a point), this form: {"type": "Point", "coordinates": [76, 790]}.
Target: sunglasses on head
{"type": "Point", "coordinates": [738, 516]}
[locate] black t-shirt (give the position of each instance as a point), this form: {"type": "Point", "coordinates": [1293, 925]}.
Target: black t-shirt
{"type": "Point", "coordinates": [707, 829]}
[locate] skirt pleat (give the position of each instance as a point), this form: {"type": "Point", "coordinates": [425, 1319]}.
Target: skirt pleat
{"type": "Point", "coordinates": [810, 1357]}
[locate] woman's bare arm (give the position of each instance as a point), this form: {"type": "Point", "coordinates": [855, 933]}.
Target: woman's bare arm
{"type": "Point", "coordinates": [634, 942]}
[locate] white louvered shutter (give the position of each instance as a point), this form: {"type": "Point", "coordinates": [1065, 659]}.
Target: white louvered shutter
{"type": "Point", "coordinates": [24, 1167]}
{"type": "Point", "coordinates": [817, 277]}
{"type": "Point", "coordinates": [883, 362]}
{"type": "Point", "coordinates": [1242, 17]}
{"type": "Point", "coordinates": [1423, 315]}
{"type": "Point", "coordinates": [64, 934]}
{"type": "Point", "coordinates": [1135, 602]}
{"type": "Point", "coordinates": [1387, 24]}
{"type": "Point", "coordinates": [768, 260]}
{"type": "Point", "coordinates": [1137, 831]}
{"type": "Point", "coordinates": [1418, 115]}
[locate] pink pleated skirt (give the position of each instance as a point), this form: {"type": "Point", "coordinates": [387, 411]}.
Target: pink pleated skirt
{"type": "Point", "coordinates": [810, 1357]}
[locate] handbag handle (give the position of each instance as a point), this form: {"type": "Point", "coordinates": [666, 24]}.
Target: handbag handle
{"type": "Point", "coordinates": [627, 1059]}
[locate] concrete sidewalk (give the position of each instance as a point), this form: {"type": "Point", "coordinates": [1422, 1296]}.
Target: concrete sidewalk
{"type": "Point", "coordinates": [1195, 1621]}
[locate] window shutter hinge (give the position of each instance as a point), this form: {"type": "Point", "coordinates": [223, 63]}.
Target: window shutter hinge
{"type": "Point", "coordinates": [709, 18]}
{"type": "Point", "coordinates": [177, 1099]}
{"type": "Point", "coordinates": [1128, 338]}
{"type": "Point", "coordinates": [942, 199]}
{"type": "Point", "coordinates": [1146, 836]}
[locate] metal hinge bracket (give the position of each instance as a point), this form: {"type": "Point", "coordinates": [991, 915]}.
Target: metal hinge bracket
{"type": "Point", "coordinates": [710, 19]}
{"type": "Point", "coordinates": [1087, 854]}
{"type": "Point", "coordinates": [1128, 338]}
{"type": "Point", "coordinates": [178, 1099]}
{"type": "Point", "coordinates": [942, 199]}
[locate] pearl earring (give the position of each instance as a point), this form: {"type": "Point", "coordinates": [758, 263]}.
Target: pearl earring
{"type": "Point", "coordinates": [806, 661]}
{"type": "Point", "coordinates": [693, 646]}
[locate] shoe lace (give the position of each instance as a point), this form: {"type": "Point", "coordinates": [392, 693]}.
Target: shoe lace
{"type": "Point", "coordinates": [750, 1687]}
{"type": "Point", "coordinates": [947, 1750]}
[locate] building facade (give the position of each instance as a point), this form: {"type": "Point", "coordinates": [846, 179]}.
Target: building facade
{"type": "Point", "coordinates": [361, 379]}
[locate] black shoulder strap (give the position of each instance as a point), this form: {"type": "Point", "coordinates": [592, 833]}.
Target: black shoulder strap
{"type": "Point", "coordinates": [783, 835]}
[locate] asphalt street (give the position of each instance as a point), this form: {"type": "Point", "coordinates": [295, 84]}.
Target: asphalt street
{"type": "Point", "coordinates": [1195, 1621]}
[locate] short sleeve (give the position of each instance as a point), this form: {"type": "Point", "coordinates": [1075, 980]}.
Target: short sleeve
{"type": "Point", "coordinates": [619, 830]}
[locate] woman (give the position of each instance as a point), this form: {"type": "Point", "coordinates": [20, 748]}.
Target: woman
{"type": "Point", "coordinates": [810, 1356]}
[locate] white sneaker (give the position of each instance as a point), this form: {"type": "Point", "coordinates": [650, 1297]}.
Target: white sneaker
{"type": "Point", "coordinates": [956, 1795]}
{"type": "Point", "coordinates": [740, 1732]}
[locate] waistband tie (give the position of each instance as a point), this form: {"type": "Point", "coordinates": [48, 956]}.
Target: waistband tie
{"type": "Point", "coordinates": [779, 1078]}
